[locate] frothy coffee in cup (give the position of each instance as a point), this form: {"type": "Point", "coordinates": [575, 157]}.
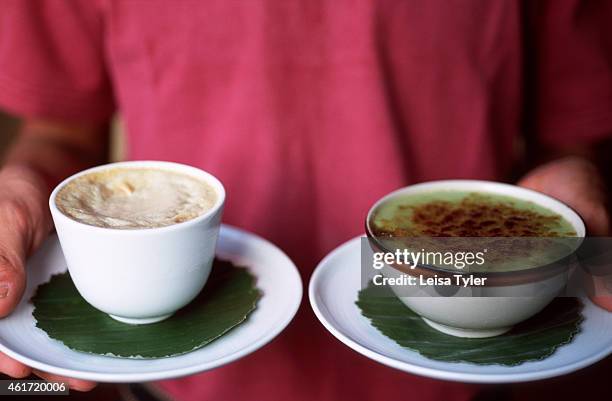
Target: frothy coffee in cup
{"type": "Point", "coordinates": [133, 198]}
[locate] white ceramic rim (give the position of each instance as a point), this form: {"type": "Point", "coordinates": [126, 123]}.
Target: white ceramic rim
{"type": "Point", "coordinates": [496, 188]}
{"type": "Point", "coordinates": [427, 371]}
{"type": "Point", "coordinates": [153, 164]}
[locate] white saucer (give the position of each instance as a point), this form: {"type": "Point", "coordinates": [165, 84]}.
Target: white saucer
{"type": "Point", "coordinates": [277, 277]}
{"type": "Point", "coordinates": [333, 291]}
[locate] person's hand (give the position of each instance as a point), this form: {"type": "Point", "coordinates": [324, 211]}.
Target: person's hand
{"type": "Point", "coordinates": [24, 223]}
{"type": "Point", "coordinates": [576, 182]}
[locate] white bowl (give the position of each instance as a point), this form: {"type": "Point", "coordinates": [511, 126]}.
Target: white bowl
{"type": "Point", "coordinates": [140, 276]}
{"type": "Point", "coordinates": [496, 308]}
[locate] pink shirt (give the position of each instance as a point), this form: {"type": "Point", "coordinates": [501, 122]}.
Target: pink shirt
{"type": "Point", "coordinates": [309, 111]}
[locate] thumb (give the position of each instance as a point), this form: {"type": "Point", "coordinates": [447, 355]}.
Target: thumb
{"type": "Point", "coordinates": [603, 302]}
{"type": "Point", "coordinates": [12, 284]}
{"type": "Point", "coordinates": [602, 292]}
{"type": "Point", "coordinates": [13, 245]}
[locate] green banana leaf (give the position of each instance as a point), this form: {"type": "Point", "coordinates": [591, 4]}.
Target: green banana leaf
{"type": "Point", "coordinates": [535, 339]}
{"type": "Point", "coordinates": [227, 299]}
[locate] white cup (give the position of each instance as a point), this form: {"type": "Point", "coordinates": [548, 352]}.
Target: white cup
{"type": "Point", "coordinates": [141, 276]}
{"type": "Point", "coordinates": [497, 309]}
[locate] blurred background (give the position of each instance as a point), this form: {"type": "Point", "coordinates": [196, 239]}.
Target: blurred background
{"type": "Point", "coordinates": [8, 127]}
{"type": "Point", "coordinates": [10, 124]}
